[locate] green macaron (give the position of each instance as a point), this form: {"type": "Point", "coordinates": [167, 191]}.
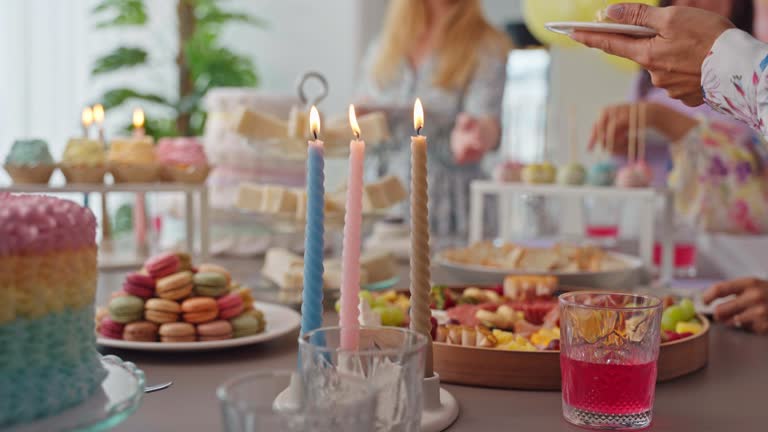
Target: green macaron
{"type": "Point", "coordinates": [210, 284]}
{"type": "Point", "coordinates": [248, 323]}
{"type": "Point", "coordinates": [126, 309]}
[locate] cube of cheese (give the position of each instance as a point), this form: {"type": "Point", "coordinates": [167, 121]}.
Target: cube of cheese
{"type": "Point", "coordinates": [281, 267]}
{"type": "Point", "coordinates": [259, 125]}
{"type": "Point", "coordinates": [278, 199]}
{"type": "Point", "coordinates": [380, 266]}
{"type": "Point", "coordinates": [250, 197]}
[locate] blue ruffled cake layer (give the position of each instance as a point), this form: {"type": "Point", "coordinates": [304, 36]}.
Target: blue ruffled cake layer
{"type": "Point", "coordinates": [47, 365]}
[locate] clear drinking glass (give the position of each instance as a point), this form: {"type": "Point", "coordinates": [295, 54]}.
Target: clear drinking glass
{"type": "Point", "coordinates": [602, 217]}
{"type": "Point", "coordinates": [250, 403]}
{"type": "Point", "coordinates": [390, 358]}
{"type": "Point", "coordinates": [609, 346]}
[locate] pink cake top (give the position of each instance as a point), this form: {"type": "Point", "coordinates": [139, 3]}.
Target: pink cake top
{"type": "Point", "coordinates": [36, 224]}
{"type": "Point", "coordinates": [181, 151]}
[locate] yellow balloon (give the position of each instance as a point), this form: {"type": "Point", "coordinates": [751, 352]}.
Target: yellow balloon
{"type": "Point", "coordinates": [536, 13]}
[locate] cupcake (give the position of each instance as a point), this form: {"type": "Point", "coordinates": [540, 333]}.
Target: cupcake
{"type": "Point", "coordinates": [84, 161]}
{"type": "Point", "coordinates": [182, 160]}
{"type": "Point", "coordinates": [132, 160]}
{"type": "Point", "coordinates": [30, 161]}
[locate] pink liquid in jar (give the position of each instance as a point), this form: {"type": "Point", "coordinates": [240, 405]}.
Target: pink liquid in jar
{"type": "Point", "coordinates": [684, 255]}
{"type": "Point", "coordinates": [602, 231]}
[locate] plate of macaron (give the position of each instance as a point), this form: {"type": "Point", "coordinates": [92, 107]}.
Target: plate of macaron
{"type": "Point", "coordinates": [172, 305]}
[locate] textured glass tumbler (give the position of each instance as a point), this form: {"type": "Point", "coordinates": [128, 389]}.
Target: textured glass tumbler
{"type": "Point", "coordinates": [391, 359]}
{"type": "Point", "coordinates": [609, 346]}
{"type": "Point", "coordinates": [249, 403]}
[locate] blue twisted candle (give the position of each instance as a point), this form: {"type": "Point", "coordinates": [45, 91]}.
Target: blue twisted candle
{"type": "Point", "coordinates": [312, 296]}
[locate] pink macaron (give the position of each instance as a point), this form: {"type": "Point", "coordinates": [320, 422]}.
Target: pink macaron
{"type": "Point", "coordinates": [162, 265]}
{"type": "Point", "coordinates": [139, 285]}
{"type": "Point", "coordinates": [214, 330]}
{"type": "Point", "coordinates": [230, 306]}
{"type": "Point", "coordinates": [111, 329]}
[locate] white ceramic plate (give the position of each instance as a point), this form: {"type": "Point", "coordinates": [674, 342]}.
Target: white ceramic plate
{"type": "Point", "coordinates": [568, 27]}
{"type": "Point", "coordinates": [280, 321]}
{"type": "Point", "coordinates": [477, 274]}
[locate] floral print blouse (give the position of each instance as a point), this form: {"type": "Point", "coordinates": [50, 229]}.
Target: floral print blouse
{"type": "Point", "coordinates": [719, 174]}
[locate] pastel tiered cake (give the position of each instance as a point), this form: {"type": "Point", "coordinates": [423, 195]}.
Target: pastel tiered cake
{"type": "Point", "coordinates": [48, 357]}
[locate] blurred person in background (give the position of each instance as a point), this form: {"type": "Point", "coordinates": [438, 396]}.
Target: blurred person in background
{"type": "Point", "coordinates": [448, 54]}
{"type": "Point", "coordinates": [717, 163]}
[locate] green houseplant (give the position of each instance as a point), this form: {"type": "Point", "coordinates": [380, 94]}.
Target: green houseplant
{"type": "Point", "coordinates": [201, 62]}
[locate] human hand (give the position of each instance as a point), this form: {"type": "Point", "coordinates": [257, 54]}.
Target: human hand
{"type": "Point", "coordinates": [674, 56]}
{"type": "Point", "coordinates": [467, 142]}
{"type": "Point", "coordinates": [613, 122]}
{"type": "Point", "coordinates": [749, 310]}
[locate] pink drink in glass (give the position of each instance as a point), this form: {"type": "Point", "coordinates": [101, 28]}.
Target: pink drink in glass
{"type": "Point", "coordinates": [609, 345]}
{"type": "Point", "coordinates": [684, 255]}
{"type": "Point", "coordinates": [608, 388]}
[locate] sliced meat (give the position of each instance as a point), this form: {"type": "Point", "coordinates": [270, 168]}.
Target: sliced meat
{"type": "Point", "coordinates": [464, 314]}
{"type": "Point", "coordinates": [525, 328]}
{"type": "Point", "coordinates": [535, 310]}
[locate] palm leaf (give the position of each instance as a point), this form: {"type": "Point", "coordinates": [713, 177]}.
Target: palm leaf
{"type": "Point", "coordinates": [116, 97]}
{"type": "Point", "coordinates": [121, 57]}
{"type": "Point", "coordinates": [123, 13]}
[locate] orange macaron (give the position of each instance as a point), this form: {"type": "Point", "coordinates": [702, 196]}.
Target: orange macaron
{"type": "Point", "coordinates": [161, 311]}
{"type": "Point", "coordinates": [177, 332]}
{"type": "Point", "coordinates": [198, 310]}
{"type": "Point", "coordinates": [175, 287]}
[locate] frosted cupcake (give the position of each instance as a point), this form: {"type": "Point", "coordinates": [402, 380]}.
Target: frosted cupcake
{"type": "Point", "coordinates": [30, 162]}
{"type": "Point", "coordinates": [84, 161]}
{"type": "Point", "coordinates": [132, 160]}
{"type": "Point", "coordinates": [182, 160]}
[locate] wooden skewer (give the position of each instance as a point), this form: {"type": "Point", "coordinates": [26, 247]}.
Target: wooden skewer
{"type": "Point", "coordinates": [572, 134]}
{"type": "Point", "coordinates": [641, 132]}
{"type": "Point", "coordinates": [611, 131]}
{"type": "Point", "coordinates": [632, 135]}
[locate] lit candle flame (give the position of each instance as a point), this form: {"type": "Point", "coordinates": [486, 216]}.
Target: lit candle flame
{"type": "Point", "coordinates": [314, 121]}
{"type": "Point", "coordinates": [98, 113]}
{"type": "Point", "coordinates": [418, 116]}
{"type": "Point", "coordinates": [353, 121]}
{"type": "Point", "coordinates": [138, 118]}
{"type": "Point", "coordinates": [87, 117]}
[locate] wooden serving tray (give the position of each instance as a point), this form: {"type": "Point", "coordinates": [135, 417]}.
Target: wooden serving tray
{"type": "Point", "coordinates": [540, 370]}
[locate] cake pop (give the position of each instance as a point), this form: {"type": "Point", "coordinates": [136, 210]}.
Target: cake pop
{"type": "Point", "coordinates": [539, 173]}
{"type": "Point", "coordinates": [509, 171]}
{"type": "Point", "coordinates": [573, 173]}
{"type": "Point", "coordinates": [636, 173]}
{"type": "Point", "coordinates": [603, 172]}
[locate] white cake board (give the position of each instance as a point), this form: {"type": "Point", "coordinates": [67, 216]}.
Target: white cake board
{"type": "Point", "coordinates": [440, 407]}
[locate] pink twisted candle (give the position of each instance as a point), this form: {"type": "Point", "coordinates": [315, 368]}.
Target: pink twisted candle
{"type": "Point", "coordinates": [350, 278]}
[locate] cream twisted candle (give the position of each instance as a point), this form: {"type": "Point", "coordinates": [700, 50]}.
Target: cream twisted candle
{"type": "Point", "coordinates": [420, 271]}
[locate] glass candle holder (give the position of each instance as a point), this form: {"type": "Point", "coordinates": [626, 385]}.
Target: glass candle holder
{"type": "Point", "coordinates": [609, 347]}
{"type": "Point", "coordinates": [251, 403]}
{"type": "Point", "coordinates": [391, 359]}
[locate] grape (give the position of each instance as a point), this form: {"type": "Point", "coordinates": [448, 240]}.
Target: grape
{"type": "Point", "coordinates": [686, 305]}
{"type": "Point", "coordinates": [380, 302]}
{"type": "Point", "coordinates": [674, 313]}
{"type": "Point", "coordinates": [667, 323]}
{"type": "Point", "coordinates": [390, 315]}
{"type": "Point", "coordinates": [554, 345]}
{"type": "Point", "coordinates": [367, 296]}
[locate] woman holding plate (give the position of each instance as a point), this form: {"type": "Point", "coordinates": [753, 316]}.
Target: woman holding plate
{"type": "Point", "coordinates": [698, 57]}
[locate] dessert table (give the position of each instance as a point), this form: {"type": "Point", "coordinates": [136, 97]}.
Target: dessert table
{"type": "Point", "coordinates": [730, 391]}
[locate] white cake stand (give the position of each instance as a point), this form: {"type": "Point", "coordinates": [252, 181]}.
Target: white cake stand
{"type": "Point", "coordinates": [440, 407]}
